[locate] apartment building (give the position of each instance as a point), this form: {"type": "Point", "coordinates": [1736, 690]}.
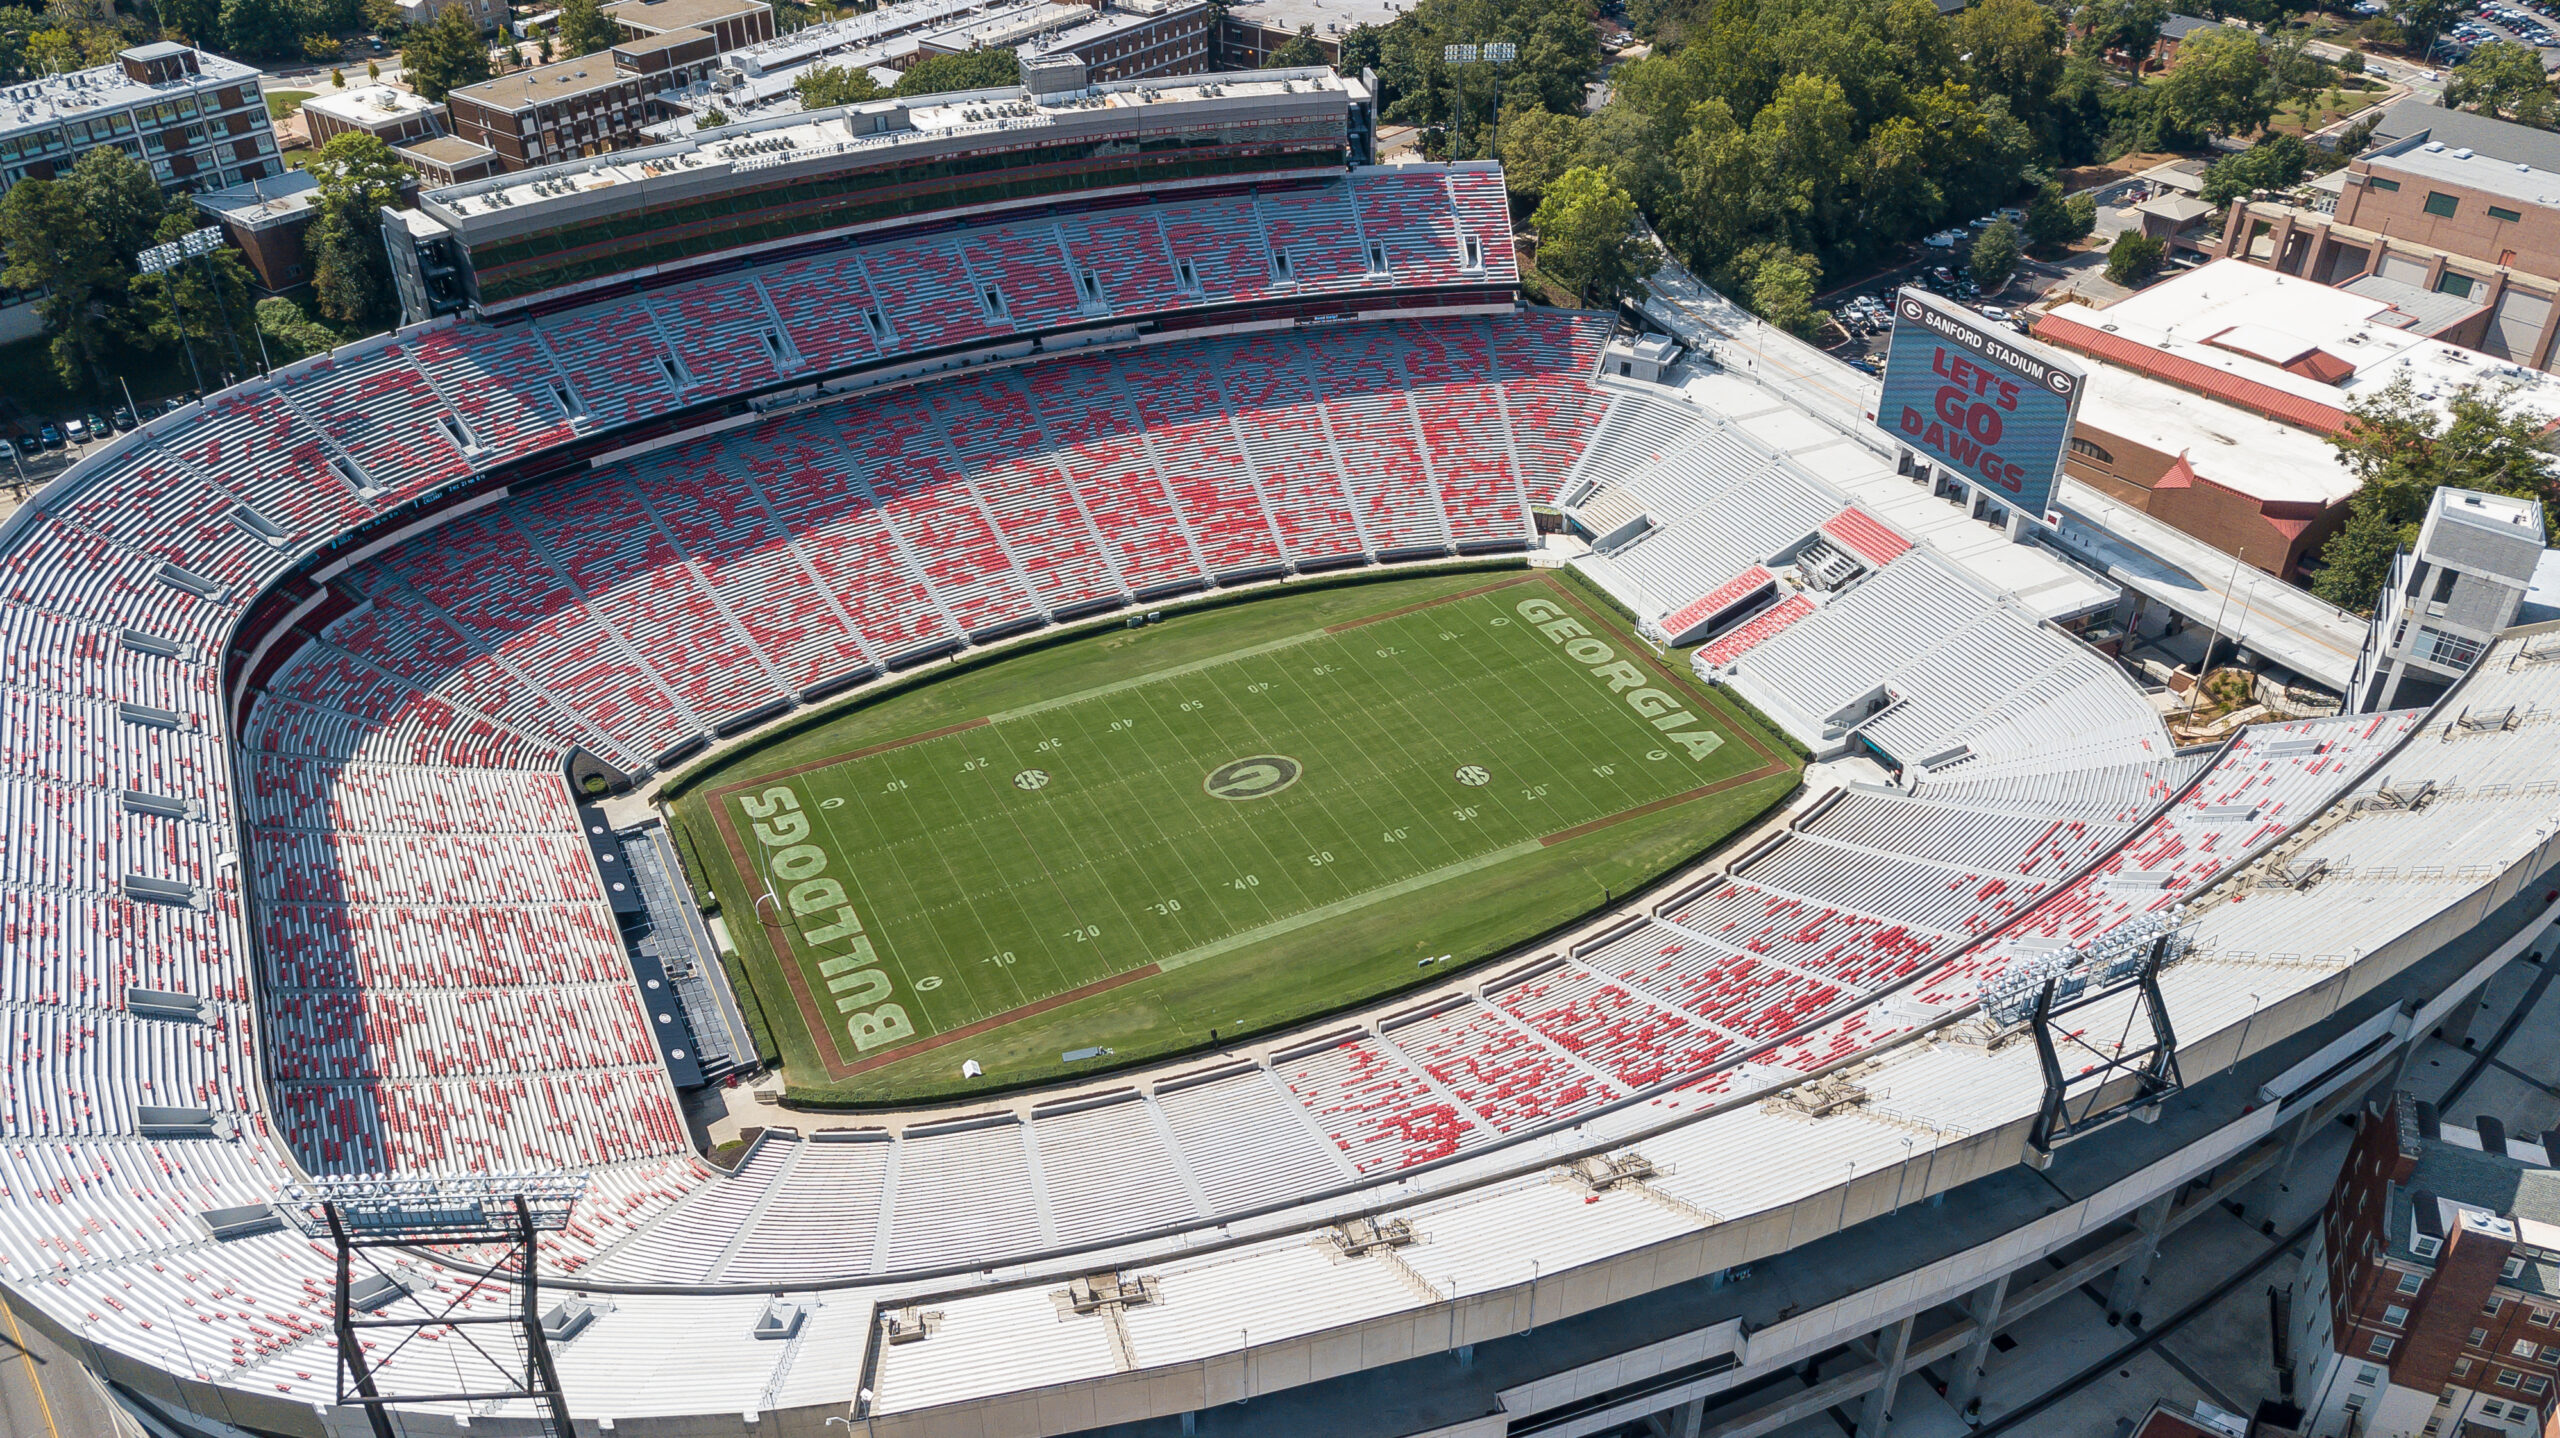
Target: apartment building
{"type": "Point", "coordinates": [582, 106]}
{"type": "Point", "coordinates": [2429, 1306]}
{"type": "Point", "coordinates": [199, 120]}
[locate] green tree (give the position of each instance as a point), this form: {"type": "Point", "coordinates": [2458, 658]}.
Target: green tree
{"type": "Point", "coordinates": [2421, 21]}
{"type": "Point", "coordinates": [1995, 256]}
{"type": "Point", "coordinates": [290, 333]}
{"type": "Point", "coordinates": [712, 118]}
{"type": "Point", "coordinates": [1781, 289]}
{"type": "Point", "coordinates": [823, 87]}
{"type": "Point", "coordinates": [2276, 162]}
{"type": "Point", "coordinates": [2401, 448]}
{"type": "Point", "coordinates": [2134, 257]}
{"type": "Point", "coordinates": [2504, 80]}
{"type": "Point", "coordinates": [1301, 50]}
{"type": "Point", "coordinates": [261, 27]}
{"type": "Point", "coordinates": [2127, 27]}
{"type": "Point", "coordinates": [54, 246]}
{"type": "Point", "coordinates": [2084, 214]}
{"type": "Point", "coordinates": [584, 28]}
{"type": "Point", "coordinates": [1537, 147]}
{"type": "Point", "coordinates": [359, 177]}
{"type": "Point", "coordinates": [1587, 236]}
{"type": "Point", "coordinates": [969, 70]}
{"type": "Point", "coordinates": [120, 198]}
{"type": "Point", "coordinates": [199, 21]}
{"type": "Point", "coordinates": [2015, 48]}
{"type": "Point", "coordinates": [2220, 83]}
{"type": "Point", "coordinates": [446, 56]}
{"type": "Point", "coordinates": [2053, 221]}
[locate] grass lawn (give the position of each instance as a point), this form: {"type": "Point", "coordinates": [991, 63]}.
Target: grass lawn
{"type": "Point", "coordinates": [281, 103]}
{"type": "Point", "coordinates": [1236, 819]}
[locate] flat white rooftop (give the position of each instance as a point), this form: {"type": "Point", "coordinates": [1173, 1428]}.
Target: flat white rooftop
{"type": "Point", "coordinates": [78, 93]}
{"type": "Point", "coordinates": [1331, 18]}
{"type": "Point", "coordinates": [2236, 448]}
{"type": "Point", "coordinates": [2252, 323]}
{"type": "Point", "coordinates": [371, 105]}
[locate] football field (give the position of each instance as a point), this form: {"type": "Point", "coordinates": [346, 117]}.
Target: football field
{"type": "Point", "coordinates": [1262, 829]}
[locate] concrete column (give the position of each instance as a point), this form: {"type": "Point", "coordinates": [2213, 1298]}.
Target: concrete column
{"type": "Point", "coordinates": [1679, 1422]}
{"type": "Point", "coordinates": [1964, 1380]}
{"type": "Point", "coordinates": [1893, 1347]}
{"type": "Point", "coordinates": [2124, 1300]}
{"type": "Point", "coordinates": [2460, 1022]}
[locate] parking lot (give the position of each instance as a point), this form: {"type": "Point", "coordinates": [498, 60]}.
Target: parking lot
{"type": "Point", "coordinates": [42, 446]}
{"type": "Point", "coordinates": [2524, 22]}
{"type": "Point", "coordinates": [1864, 309]}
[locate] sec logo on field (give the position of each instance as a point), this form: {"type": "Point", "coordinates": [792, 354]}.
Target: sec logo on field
{"type": "Point", "coordinates": [1474, 776]}
{"type": "Point", "coordinates": [1030, 779]}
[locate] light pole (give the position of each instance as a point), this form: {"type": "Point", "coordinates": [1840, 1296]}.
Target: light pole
{"type": "Point", "coordinates": [164, 260]}
{"type": "Point", "coordinates": [1496, 53]}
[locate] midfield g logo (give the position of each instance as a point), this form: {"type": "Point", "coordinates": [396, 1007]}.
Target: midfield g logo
{"type": "Point", "coordinates": [1256, 778]}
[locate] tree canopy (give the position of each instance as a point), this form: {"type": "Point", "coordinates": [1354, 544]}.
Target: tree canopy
{"type": "Point", "coordinates": [969, 70]}
{"type": "Point", "coordinates": [2400, 449]}
{"type": "Point", "coordinates": [584, 28]}
{"type": "Point", "coordinates": [1587, 236]}
{"type": "Point", "coordinates": [2221, 82]}
{"type": "Point", "coordinates": [2504, 80]}
{"type": "Point", "coordinates": [2276, 162]}
{"type": "Point", "coordinates": [359, 177]}
{"type": "Point", "coordinates": [823, 87]}
{"type": "Point", "coordinates": [1995, 256]}
{"type": "Point", "coordinates": [445, 56]}
{"type": "Point", "coordinates": [1302, 49]}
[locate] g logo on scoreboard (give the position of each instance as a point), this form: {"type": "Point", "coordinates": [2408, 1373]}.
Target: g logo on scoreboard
{"type": "Point", "coordinates": [1258, 777]}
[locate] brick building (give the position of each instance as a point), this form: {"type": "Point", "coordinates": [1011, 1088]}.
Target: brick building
{"type": "Point", "coordinates": [2445, 203]}
{"type": "Point", "coordinates": [2215, 393]}
{"type": "Point", "coordinates": [582, 106]}
{"type": "Point", "coordinates": [396, 117]}
{"type": "Point", "coordinates": [198, 120]}
{"type": "Point", "coordinates": [731, 24]}
{"type": "Point", "coordinates": [2430, 1305]}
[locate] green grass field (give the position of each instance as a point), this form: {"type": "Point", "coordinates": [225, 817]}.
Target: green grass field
{"type": "Point", "coordinates": [1102, 850]}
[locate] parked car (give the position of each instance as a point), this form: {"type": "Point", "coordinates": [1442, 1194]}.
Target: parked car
{"type": "Point", "coordinates": [52, 437]}
{"type": "Point", "coordinates": [1865, 367]}
{"type": "Point", "coordinates": [123, 418]}
{"type": "Point", "coordinates": [98, 426]}
{"type": "Point", "coordinates": [1994, 313]}
{"type": "Point", "coordinates": [28, 444]}
{"type": "Point", "coordinates": [75, 430]}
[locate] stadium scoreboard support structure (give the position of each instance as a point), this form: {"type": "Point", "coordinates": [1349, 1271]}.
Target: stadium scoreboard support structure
{"type": "Point", "coordinates": [1989, 408]}
{"type": "Point", "coordinates": [364, 1215]}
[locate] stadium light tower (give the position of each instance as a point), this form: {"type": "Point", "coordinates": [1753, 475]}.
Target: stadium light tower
{"type": "Point", "coordinates": [495, 1314]}
{"type": "Point", "coordinates": [199, 245]}
{"type": "Point", "coordinates": [1496, 53]}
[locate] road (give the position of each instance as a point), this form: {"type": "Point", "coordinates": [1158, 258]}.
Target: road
{"type": "Point", "coordinates": [43, 1392]}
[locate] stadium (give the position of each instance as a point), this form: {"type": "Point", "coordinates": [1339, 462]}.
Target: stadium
{"type": "Point", "coordinates": [337, 703]}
